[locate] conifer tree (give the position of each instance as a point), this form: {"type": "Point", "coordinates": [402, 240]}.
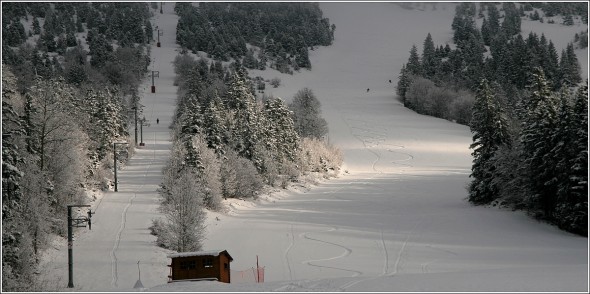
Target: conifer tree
{"type": "Point", "coordinates": [549, 61]}
{"type": "Point", "coordinates": [490, 131]}
{"type": "Point", "coordinates": [512, 21]}
{"type": "Point", "coordinates": [13, 126]}
{"type": "Point", "coordinates": [215, 126]}
{"type": "Point", "coordinates": [577, 203]}
{"type": "Point", "coordinates": [246, 130]}
{"type": "Point", "coordinates": [403, 84]}
{"type": "Point", "coordinates": [281, 130]}
{"type": "Point", "coordinates": [493, 20]}
{"type": "Point", "coordinates": [570, 158]}
{"type": "Point", "coordinates": [414, 65]}
{"type": "Point", "coordinates": [36, 26]}
{"type": "Point", "coordinates": [539, 121]}
{"type": "Point", "coordinates": [429, 60]}
{"type": "Point", "coordinates": [569, 67]}
{"type": "Point", "coordinates": [485, 32]}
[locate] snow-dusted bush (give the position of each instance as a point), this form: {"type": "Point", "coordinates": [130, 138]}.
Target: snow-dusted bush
{"type": "Point", "coordinates": [275, 82]}
{"type": "Point", "coordinates": [424, 97]}
{"type": "Point", "coordinates": [319, 156]}
{"type": "Point", "coordinates": [461, 107]}
{"type": "Point", "coordinates": [208, 173]}
{"type": "Point", "coordinates": [160, 230]}
{"type": "Point", "coordinates": [228, 174]}
{"type": "Point", "coordinates": [239, 177]}
{"type": "Point", "coordinates": [249, 182]}
{"type": "Point", "coordinates": [418, 93]}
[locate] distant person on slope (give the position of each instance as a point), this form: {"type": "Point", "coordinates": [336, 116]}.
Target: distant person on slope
{"type": "Point", "coordinates": [367, 90]}
{"type": "Point", "coordinates": [157, 121]}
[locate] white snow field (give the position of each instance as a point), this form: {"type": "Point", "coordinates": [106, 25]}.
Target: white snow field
{"type": "Point", "coordinates": [397, 220]}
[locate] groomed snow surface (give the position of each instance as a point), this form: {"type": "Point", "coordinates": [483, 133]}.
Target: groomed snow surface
{"type": "Point", "coordinates": [396, 220]}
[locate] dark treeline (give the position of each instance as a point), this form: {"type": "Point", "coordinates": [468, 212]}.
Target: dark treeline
{"type": "Point", "coordinates": [537, 162]}
{"type": "Point", "coordinates": [63, 106]}
{"type": "Point", "coordinates": [530, 129]}
{"type": "Point", "coordinates": [509, 63]}
{"type": "Point", "coordinates": [59, 49]}
{"type": "Point", "coordinates": [228, 144]}
{"type": "Point", "coordinates": [283, 31]}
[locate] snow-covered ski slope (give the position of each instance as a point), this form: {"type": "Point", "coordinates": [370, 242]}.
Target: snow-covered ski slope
{"type": "Point", "coordinates": [397, 221]}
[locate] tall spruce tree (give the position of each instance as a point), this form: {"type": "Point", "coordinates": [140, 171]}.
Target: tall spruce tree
{"type": "Point", "coordinates": [403, 84]}
{"type": "Point", "coordinates": [539, 121]}
{"type": "Point", "coordinates": [245, 132]}
{"type": "Point", "coordinates": [282, 128]}
{"type": "Point", "coordinates": [429, 59]}
{"type": "Point", "coordinates": [414, 65]}
{"type": "Point", "coordinates": [490, 131]}
{"type": "Point", "coordinates": [571, 152]}
{"type": "Point", "coordinates": [570, 67]}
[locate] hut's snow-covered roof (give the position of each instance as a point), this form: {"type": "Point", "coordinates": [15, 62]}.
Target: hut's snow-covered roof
{"type": "Point", "coordinates": [198, 253]}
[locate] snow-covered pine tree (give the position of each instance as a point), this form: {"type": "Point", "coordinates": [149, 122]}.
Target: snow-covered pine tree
{"type": "Point", "coordinates": [281, 140]}
{"type": "Point", "coordinates": [569, 67]}
{"type": "Point", "coordinates": [191, 118]}
{"type": "Point", "coordinates": [246, 130]}
{"type": "Point", "coordinates": [282, 128]}
{"type": "Point", "coordinates": [539, 121]}
{"type": "Point", "coordinates": [18, 257]}
{"type": "Point", "coordinates": [571, 211]}
{"type": "Point", "coordinates": [13, 126]}
{"type": "Point", "coordinates": [490, 131]}
{"type": "Point", "coordinates": [215, 125]}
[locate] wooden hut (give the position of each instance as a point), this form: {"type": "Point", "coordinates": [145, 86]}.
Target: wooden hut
{"type": "Point", "coordinates": [200, 265]}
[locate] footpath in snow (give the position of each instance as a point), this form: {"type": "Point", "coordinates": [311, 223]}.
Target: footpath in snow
{"type": "Point", "coordinates": [105, 258]}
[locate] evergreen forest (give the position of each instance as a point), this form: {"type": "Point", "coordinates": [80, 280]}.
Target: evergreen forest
{"type": "Point", "coordinates": [528, 114]}
{"type": "Point", "coordinates": [69, 85]}
{"type": "Point", "coordinates": [281, 33]}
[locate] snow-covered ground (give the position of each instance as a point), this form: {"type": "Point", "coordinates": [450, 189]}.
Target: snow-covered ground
{"type": "Point", "coordinates": [396, 220]}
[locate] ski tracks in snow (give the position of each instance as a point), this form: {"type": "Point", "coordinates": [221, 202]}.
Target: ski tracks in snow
{"type": "Point", "coordinates": [114, 260]}
{"type": "Point", "coordinates": [292, 239]}
{"type": "Point", "coordinates": [347, 252]}
{"type": "Point", "coordinates": [373, 137]}
{"type": "Point", "coordinates": [114, 271]}
{"type": "Point", "coordinates": [397, 265]}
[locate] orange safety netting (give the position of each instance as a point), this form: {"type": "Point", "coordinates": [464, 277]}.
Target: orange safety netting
{"type": "Point", "coordinates": [251, 275]}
